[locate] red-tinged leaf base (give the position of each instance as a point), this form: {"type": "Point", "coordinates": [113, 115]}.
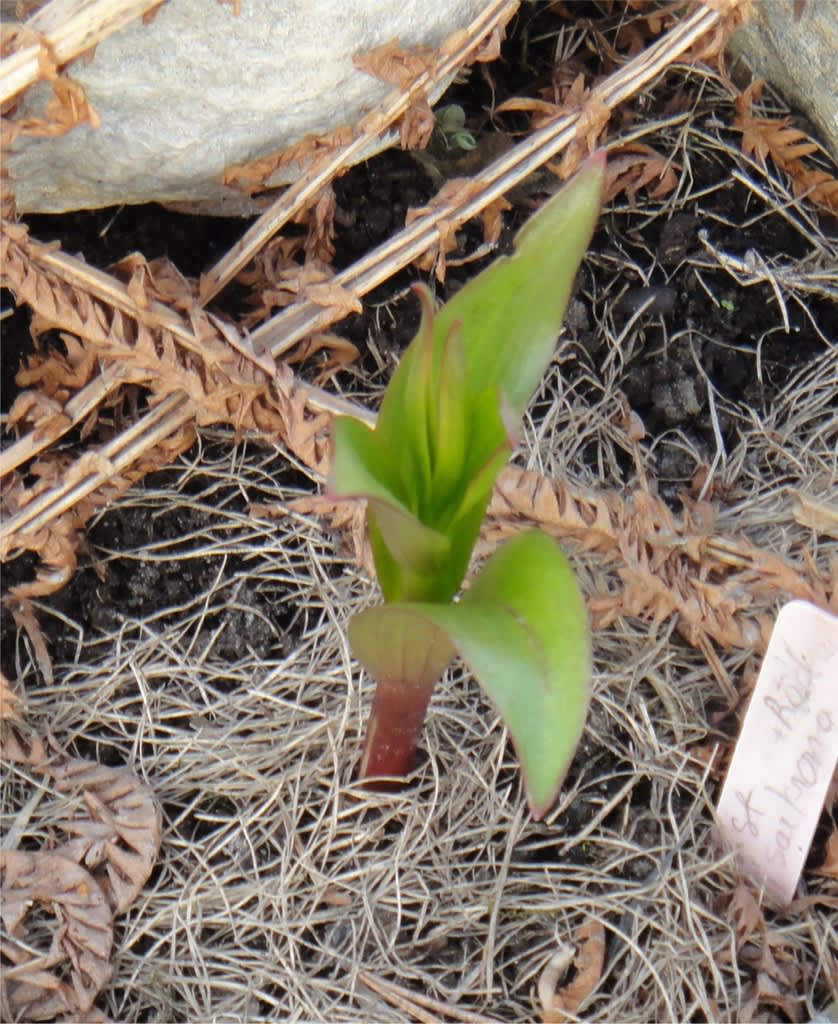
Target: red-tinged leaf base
{"type": "Point", "coordinates": [406, 654]}
{"type": "Point", "coordinates": [398, 713]}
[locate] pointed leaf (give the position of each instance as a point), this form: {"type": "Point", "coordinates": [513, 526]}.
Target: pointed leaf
{"type": "Point", "coordinates": [512, 311]}
{"type": "Point", "coordinates": [522, 628]}
{"type": "Point", "coordinates": [416, 547]}
{"type": "Point", "coordinates": [481, 481]}
{"type": "Point", "coordinates": [362, 469]}
{"type": "Point", "coordinates": [449, 426]}
{"type": "Point", "coordinates": [539, 680]}
{"type": "Point", "coordinates": [406, 378]}
{"type": "Point", "coordinates": [418, 553]}
{"type": "Point", "coordinates": [446, 419]}
{"type": "Point", "coordinates": [417, 412]}
{"type": "Point", "coordinates": [361, 464]}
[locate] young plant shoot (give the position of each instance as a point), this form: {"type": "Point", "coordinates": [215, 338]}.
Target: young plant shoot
{"type": "Point", "coordinates": [446, 427]}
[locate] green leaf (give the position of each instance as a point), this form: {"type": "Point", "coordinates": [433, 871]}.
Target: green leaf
{"type": "Point", "coordinates": [445, 425]}
{"type": "Point", "coordinates": [397, 643]}
{"type": "Point", "coordinates": [451, 118]}
{"type": "Point", "coordinates": [412, 561]}
{"type": "Point", "coordinates": [393, 424]}
{"type": "Point", "coordinates": [360, 469]}
{"type": "Point", "coordinates": [417, 412]}
{"type": "Point", "coordinates": [522, 629]}
{"type": "Point", "coordinates": [418, 550]}
{"type": "Point", "coordinates": [510, 314]}
{"type": "Point", "coordinates": [448, 425]}
{"type": "Point", "coordinates": [361, 464]}
{"type": "Point", "coordinates": [490, 449]}
{"type": "Point", "coordinates": [464, 140]}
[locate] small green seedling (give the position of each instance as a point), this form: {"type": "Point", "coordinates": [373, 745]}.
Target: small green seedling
{"type": "Point", "coordinates": [451, 124]}
{"type": "Point", "coordinates": [446, 427]}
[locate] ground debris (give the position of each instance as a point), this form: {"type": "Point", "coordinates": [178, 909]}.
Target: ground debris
{"type": "Point", "coordinates": [122, 834]}
{"type": "Point", "coordinates": [586, 957]}
{"type": "Point", "coordinates": [81, 943]}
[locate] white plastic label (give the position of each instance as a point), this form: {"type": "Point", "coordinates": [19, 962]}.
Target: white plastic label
{"type": "Point", "coordinates": [787, 751]}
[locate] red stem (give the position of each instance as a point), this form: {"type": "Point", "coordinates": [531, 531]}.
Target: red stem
{"type": "Point", "coordinates": [398, 712]}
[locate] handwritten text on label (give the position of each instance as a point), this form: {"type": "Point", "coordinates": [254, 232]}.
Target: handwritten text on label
{"type": "Point", "coordinates": [787, 751]}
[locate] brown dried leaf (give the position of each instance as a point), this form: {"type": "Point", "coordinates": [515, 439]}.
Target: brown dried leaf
{"type": "Point", "coordinates": [593, 120]}
{"type": "Point", "coordinates": [492, 218]}
{"type": "Point", "coordinates": [452, 194]}
{"type": "Point", "coordinates": [18, 745]}
{"type": "Point", "coordinates": [340, 354]}
{"type": "Point", "coordinates": [289, 281]}
{"type": "Point", "coordinates": [194, 357]}
{"type": "Point", "coordinates": [334, 296]}
{"type": "Point", "coordinates": [490, 50]}
{"type": "Point", "coordinates": [773, 959]}
{"type": "Point", "coordinates": [542, 111]}
{"type": "Point", "coordinates": [307, 434]}
{"type": "Point", "coordinates": [56, 375]}
{"type": "Point", "coordinates": [276, 258]}
{"type": "Point", "coordinates": [41, 414]}
{"type": "Point", "coordinates": [67, 108]}
{"type": "Point", "coordinates": [417, 125]}
{"type": "Point", "coordinates": [319, 217]}
{"type": "Point", "coordinates": [158, 279]}
{"type": "Point", "coordinates": [777, 138]}
{"type": "Point", "coordinates": [197, 359]}
{"type": "Point", "coordinates": [346, 517]}
{"type": "Point", "coordinates": [746, 914]}
{"type": "Point", "coordinates": [819, 515]}
{"type": "Point", "coordinates": [11, 704]}
{"type": "Point", "coordinates": [561, 1005]}
{"type": "Point", "coordinates": [122, 836]}
{"type": "Point", "coordinates": [23, 613]}
{"type": "Point", "coordinates": [635, 167]}
{"type": "Point", "coordinates": [391, 64]}
{"type": "Point", "coordinates": [710, 48]}
{"type": "Point", "coordinates": [250, 177]}
{"type": "Point", "coordinates": [81, 942]}
{"type": "Point", "coordinates": [829, 868]}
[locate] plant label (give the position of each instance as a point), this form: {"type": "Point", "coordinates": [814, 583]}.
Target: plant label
{"type": "Point", "coordinates": [786, 755]}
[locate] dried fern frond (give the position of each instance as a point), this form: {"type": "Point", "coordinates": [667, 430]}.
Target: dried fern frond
{"type": "Point", "coordinates": [787, 146]}
{"type": "Point", "coordinates": [59, 32]}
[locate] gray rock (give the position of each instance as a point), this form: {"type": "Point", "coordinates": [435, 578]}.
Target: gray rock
{"type": "Point", "coordinates": [799, 57]}
{"type": "Point", "coordinates": [200, 89]}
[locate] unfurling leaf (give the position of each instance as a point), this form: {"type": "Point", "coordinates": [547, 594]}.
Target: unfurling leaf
{"type": "Point", "coordinates": [510, 314]}
{"type": "Point", "coordinates": [448, 417]}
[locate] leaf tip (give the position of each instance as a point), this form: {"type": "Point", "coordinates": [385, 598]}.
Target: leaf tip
{"type": "Point", "coordinates": [539, 808]}
{"type": "Point", "coordinates": [425, 296]}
